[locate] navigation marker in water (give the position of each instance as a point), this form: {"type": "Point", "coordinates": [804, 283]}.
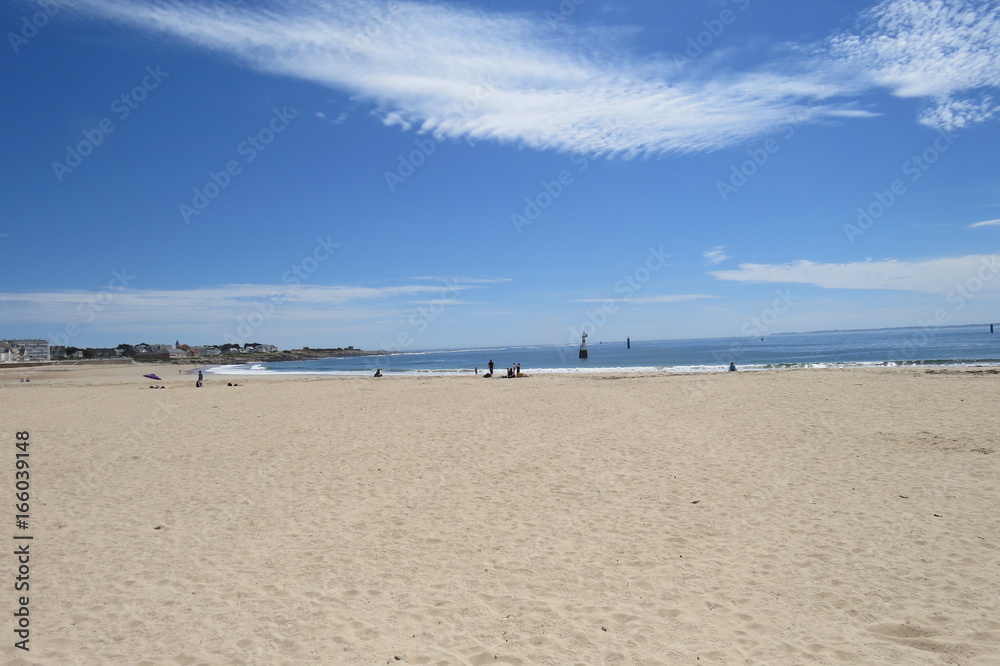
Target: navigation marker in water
{"type": "Point", "coordinates": [583, 345]}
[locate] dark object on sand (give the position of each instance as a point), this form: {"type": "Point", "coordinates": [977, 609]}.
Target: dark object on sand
{"type": "Point", "coordinates": [152, 376]}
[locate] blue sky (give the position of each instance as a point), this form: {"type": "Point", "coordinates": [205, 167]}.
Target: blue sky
{"type": "Point", "coordinates": [414, 175]}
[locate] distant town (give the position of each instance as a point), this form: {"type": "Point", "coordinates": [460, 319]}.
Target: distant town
{"type": "Point", "coordinates": [35, 351]}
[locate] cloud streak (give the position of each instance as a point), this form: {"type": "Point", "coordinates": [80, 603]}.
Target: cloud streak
{"type": "Point", "coordinates": [985, 223]}
{"type": "Point", "coordinates": [461, 73]}
{"type": "Point", "coordinates": [716, 255]}
{"type": "Point", "coordinates": [946, 51]}
{"type": "Point", "coordinates": [665, 298]}
{"type": "Point", "coordinates": [223, 295]}
{"type": "Point", "coordinates": [213, 304]}
{"type": "Point", "coordinates": [931, 276]}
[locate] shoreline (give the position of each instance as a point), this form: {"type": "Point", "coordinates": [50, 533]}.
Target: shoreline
{"type": "Point", "coordinates": [124, 374]}
{"type": "Point", "coordinates": [528, 372]}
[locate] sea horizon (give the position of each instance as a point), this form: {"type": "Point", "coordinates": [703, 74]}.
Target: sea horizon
{"type": "Point", "coordinates": [968, 344]}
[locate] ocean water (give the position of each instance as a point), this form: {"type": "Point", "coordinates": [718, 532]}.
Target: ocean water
{"type": "Point", "coordinates": [936, 346]}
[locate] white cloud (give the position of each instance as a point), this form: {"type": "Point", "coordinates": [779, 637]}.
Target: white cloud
{"type": "Point", "coordinates": [666, 298]}
{"type": "Point", "coordinates": [956, 114]}
{"type": "Point", "coordinates": [219, 303]}
{"type": "Point", "coordinates": [932, 276]}
{"type": "Point", "coordinates": [233, 293]}
{"type": "Point", "coordinates": [446, 280]}
{"type": "Point", "coordinates": [985, 223]}
{"type": "Point", "coordinates": [458, 72]}
{"type": "Point", "coordinates": [339, 119]}
{"type": "Point", "coordinates": [947, 51]}
{"type": "Point", "coordinates": [716, 255]}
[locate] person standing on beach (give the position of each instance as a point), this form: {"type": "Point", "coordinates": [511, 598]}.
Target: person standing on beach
{"type": "Point", "coordinates": [491, 366]}
{"type": "Point", "coordinates": [201, 378]}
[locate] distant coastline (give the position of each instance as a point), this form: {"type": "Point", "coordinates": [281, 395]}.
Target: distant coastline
{"type": "Point", "coordinates": [272, 357]}
{"type": "Point", "coordinates": [308, 354]}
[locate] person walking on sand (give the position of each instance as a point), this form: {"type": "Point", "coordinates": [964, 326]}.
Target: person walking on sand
{"type": "Point", "coordinates": [201, 378]}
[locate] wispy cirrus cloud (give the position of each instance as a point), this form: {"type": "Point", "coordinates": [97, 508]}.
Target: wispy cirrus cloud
{"type": "Point", "coordinates": [947, 51]}
{"type": "Point", "coordinates": [448, 279]}
{"type": "Point", "coordinates": [458, 72]}
{"type": "Point", "coordinates": [984, 223]}
{"type": "Point", "coordinates": [931, 276]}
{"type": "Point", "coordinates": [223, 294]}
{"type": "Point", "coordinates": [664, 298]}
{"type": "Point", "coordinates": [216, 303]}
{"type": "Point", "coordinates": [716, 255]}
{"type": "Point", "coordinates": [463, 73]}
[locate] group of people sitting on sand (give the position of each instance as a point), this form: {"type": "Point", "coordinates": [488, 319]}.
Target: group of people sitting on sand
{"type": "Point", "coordinates": [513, 371]}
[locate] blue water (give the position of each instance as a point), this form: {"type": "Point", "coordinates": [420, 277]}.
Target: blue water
{"type": "Point", "coordinates": [940, 346]}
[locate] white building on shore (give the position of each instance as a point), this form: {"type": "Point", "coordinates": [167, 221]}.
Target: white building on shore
{"type": "Point", "coordinates": [24, 351]}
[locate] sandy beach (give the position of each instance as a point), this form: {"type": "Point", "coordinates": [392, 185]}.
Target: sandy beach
{"type": "Point", "coordinates": [781, 517]}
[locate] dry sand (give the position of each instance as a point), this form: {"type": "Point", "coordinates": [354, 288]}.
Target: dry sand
{"type": "Point", "coordinates": [786, 517]}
